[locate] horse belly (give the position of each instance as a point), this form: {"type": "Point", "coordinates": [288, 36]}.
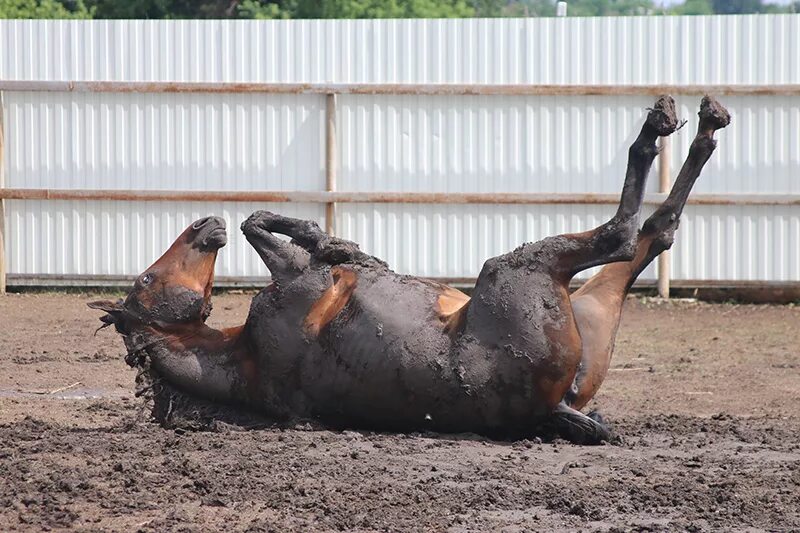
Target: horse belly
{"type": "Point", "coordinates": [384, 360]}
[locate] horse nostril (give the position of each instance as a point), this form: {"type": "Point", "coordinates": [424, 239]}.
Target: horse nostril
{"type": "Point", "coordinates": [200, 223]}
{"type": "Point", "coordinates": [209, 221]}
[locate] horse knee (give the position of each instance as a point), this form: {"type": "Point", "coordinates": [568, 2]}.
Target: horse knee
{"type": "Point", "coordinates": [618, 237]}
{"type": "Point", "coordinates": [660, 229]}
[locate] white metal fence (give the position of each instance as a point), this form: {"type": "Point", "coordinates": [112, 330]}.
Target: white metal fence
{"type": "Point", "coordinates": [515, 137]}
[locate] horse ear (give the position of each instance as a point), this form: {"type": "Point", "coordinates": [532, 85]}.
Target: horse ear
{"type": "Point", "coordinates": [107, 305]}
{"type": "Point", "coordinates": [114, 310]}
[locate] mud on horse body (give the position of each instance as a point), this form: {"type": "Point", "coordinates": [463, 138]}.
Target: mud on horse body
{"type": "Point", "coordinates": [340, 338]}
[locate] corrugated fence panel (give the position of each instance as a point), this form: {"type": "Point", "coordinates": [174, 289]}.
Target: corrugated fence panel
{"type": "Point", "coordinates": [758, 153]}
{"type": "Point", "coordinates": [165, 141]}
{"type": "Point", "coordinates": [85, 238]}
{"type": "Point", "coordinates": [453, 241]}
{"type": "Point", "coordinates": [558, 144]}
{"type": "Point", "coordinates": [753, 49]}
{"type": "Point", "coordinates": [738, 243]}
{"type": "Point", "coordinates": [392, 143]}
{"type": "Point", "coordinates": [714, 243]}
{"type": "Point", "coordinates": [486, 143]}
{"type": "Point", "coordinates": [552, 143]}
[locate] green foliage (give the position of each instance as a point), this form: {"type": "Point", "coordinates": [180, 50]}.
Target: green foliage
{"type": "Point", "coordinates": [728, 7]}
{"type": "Point", "coordinates": [607, 8]}
{"type": "Point", "coordinates": [361, 9]}
{"type": "Point", "coordinates": [518, 8]}
{"type": "Point", "coordinates": [255, 9]}
{"type": "Point", "coordinates": [164, 9]}
{"type": "Point", "coordinates": [283, 9]}
{"type": "Point", "coordinates": [43, 9]}
{"type": "Point", "coordinates": [693, 7]}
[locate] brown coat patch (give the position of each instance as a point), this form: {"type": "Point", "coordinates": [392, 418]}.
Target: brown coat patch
{"type": "Point", "coordinates": [332, 300]}
{"type": "Point", "coordinates": [565, 355]}
{"type": "Point", "coordinates": [451, 307]}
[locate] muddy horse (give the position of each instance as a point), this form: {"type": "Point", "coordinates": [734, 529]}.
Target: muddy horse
{"type": "Point", "coordinates": [339, 338]}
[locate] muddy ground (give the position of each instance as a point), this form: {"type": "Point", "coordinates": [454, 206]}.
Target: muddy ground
{"type": "Point", "coordinates": [705, 396]}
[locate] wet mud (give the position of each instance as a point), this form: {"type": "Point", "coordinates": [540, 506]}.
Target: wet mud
{"type": "Point", "coordinates": [704, 396]}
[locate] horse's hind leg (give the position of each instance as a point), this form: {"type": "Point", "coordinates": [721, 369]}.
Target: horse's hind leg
{"type": "Point", "coordinates": [555, 260]}
{"type": "Point", "coordinates": [616, 239]}
{"type": "Point", "coordinates": [597, 305]}
{"type": "Point", "coordinates": [529, 286]}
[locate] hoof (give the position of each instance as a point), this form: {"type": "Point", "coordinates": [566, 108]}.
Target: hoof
{"type": "Point", "coordinates": [713, 116]}
{"type": "Point", "coordinates": [597, 417]}
{"type": "Point", "coordinates": [257, 221]}
{"type": "Point", "coordinates": [612, 437]}
{"type": "Point", "coordinates": [662, 116]}
{"type": "Point", "coordinates": [579, 428]}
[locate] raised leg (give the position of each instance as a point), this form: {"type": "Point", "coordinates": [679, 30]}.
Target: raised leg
{"type": "Point", "coordinates": [306, 236]}
{"type": "Point", "coordinates": [284, 260]}
{"type": "Point", "coordinates": [597, 305]}
{"type": "Point", "coordinates": [521, 300]}
{"type": "Point", "coordinates": [304, 233]}
{"type": "Point", "coordinates": [566, 255]}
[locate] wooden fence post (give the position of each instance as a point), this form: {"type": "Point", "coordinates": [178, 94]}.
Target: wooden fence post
{"type": "Point", "coordinates": [663, 187]}
{"type": "Point", "coordinates": [2, 201]}
{"type": "Point", "coordinates": [330, 159]}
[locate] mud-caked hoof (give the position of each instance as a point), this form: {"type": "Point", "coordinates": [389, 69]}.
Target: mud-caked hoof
{"type": "Point", "coordinates": [258, 221]}
{"type": "Point", "coordinates": [662, 116]}
{"type": "Point", "coordinates": [713, 116]}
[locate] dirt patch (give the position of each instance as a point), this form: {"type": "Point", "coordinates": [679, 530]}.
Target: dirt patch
{"type": "Point", "coordinates": [704, 396]}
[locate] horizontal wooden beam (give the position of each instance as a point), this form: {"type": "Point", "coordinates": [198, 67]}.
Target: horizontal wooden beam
{"type": "Point", "coordinates": [432, 89]}
{"type": "Point", "coordinates": [325, 197]}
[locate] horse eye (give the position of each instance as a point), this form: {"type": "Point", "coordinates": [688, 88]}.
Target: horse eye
{"type": "Point", "coordinates": [147, 279]}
